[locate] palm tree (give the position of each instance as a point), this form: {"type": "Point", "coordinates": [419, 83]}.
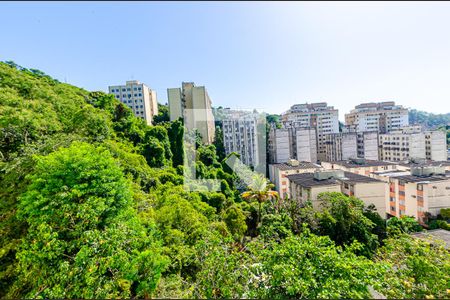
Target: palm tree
{"type": "Point", "coordinates": [260, 190]}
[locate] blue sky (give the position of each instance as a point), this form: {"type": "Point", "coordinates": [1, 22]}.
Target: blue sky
{"type": "Point", "coordinates": [249, 55]}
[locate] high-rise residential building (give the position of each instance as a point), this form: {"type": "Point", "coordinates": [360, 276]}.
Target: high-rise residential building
{"type": "Point", "coordinates": [308, 186]}
{"type": "Point", "coordinates": [367, 145]}
{"type": "Point", "coordinates": [381, 117]}
{"type": "Point", "coordinates": [298, 143]}
{"type": "Point", "coordinates": [320, 116]}
{"type": "Point", "coordinates": [279, 145]}
{"type": "Point", "coordinates": [240, 135]}
{"type": "Point", "coordinates": [436, 145]}
{"type": "Point", "coordinates": [139, 97]}
{"type": "Point", "coordinates": [278, 174]}
{"type": "Point", "coordinates": [194, 105]}
{"type": "Point", "coordinates": [340, 146]}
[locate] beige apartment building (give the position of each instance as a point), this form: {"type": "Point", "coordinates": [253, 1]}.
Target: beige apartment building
{"type": "Point", "coordinates": [319, 116]}
{"type": "Point", "coordinates": [307, 187]}
{"type": "Point", "coordinates": [380, 117]}
{"type": "Point", "coordinates": [416, 192]}
{"type": "Point", "coordinates": [139, 97]}
{"type": "Point", "coordinates": [278, 174]}
{"type": "Point", "coordinates": [412, 143]}
{"type": "Point", "coordinates": [194, 105]}
{"type": "Point", "coordinates": [359, 166]}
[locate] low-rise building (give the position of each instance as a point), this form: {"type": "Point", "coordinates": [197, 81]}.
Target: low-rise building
{"type": "Point", "coordinates": [307, 187]}
{"type": "Point", "coordinates": [417, 191]}
{"type": "Point", "coordinates": [278, 174]}
{"type": "Point", "coordinates": [359, 166]}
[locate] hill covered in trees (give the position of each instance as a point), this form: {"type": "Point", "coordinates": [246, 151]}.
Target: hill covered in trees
{"type": "Point", "coordinates": [92, 205]}
{"type": "Point", "coordinates": [429, 120]}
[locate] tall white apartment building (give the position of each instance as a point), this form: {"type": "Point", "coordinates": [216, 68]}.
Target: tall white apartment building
{"type": "Point", "coordinates": [279, 145]}
{"type": "Point", "coordinates": [139, 97]}
{"type": "Point", "coordinates": [381, 117]}
{"type": "Point", "coordinates": [240, 135]}
{"type": "Point", "coordinates": [297, 143]}
{"type": "Point", "coordinates": [194, 105]}
{"type": "Point", "coordinates": [323, 118]}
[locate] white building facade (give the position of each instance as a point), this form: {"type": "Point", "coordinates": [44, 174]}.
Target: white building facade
{"type": "Point", "coordinates": [139, 97]}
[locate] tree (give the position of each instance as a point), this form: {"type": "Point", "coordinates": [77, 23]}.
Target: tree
{"type": "Point", "coordinates": [81, 229]}
{"type": "Point", "coordinates": [260, 191]}
{"type": "Point", "coordinates": [404, 224]}
{"type": "Point", "coordinates": [235, 220]}
{"type": "Point", "coordinates": [311, 267]}
{"type": "Point", "coordinates": [342, 219]}
{"type": "Point", "coordinates": [162, 116]}
{"type": "Point", "coordinates": [418, 269]}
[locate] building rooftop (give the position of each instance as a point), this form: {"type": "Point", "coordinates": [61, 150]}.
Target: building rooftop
{"type": "Point", "coordinates": [414, 178]}
{"type": "Point", "coordinates": [426, 163]}
{"type": "Point", "coordinates": [391, 173]}
{"type": "Point", "coordinates": [302, 165]}
{"type": "Point", "coordinates": [440, 234]}
{"type": "Point", "coordinates": [365, 163]}
{"type": "Point", "coordinates": [308, 179]}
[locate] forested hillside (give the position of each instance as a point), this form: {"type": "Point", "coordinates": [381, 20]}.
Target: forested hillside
{"type": "Point", "coordinates": [428, 119]}
{"type": "Point", "coordinates": [92, 205]}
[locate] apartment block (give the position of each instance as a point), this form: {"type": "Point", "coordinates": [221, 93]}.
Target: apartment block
{"type": "Point", "coordinates": [380, 117]}
{"type": "Point", "coordinates": [412, 143]}
{"type": "Point", "coordinates": [307, 187]}
{"type": "Point", "coordinates": [418, 191]}
{"type": "Point", "coordinates": [279, 145]}
{"type": "Point", "coordinates": [194, 105]}
{"type": "Point", "coordinates": [139, 97]}
{"type": "Point", "coordinates": [340, 146]}
{"type": "Point", "coordinates": [305, 144]}
{"type": "Point", "coordinates": [278, 174]}
{"type": "Point", "coordinates": [367, 145]}
{"type": "Point", "coordinates": [240, 135]}
{"type": "Point", "coordinates": [319, 116]}
{"type": "Point", "coordinates": [298, 143]}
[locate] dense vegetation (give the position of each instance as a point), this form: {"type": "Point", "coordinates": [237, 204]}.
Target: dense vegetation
{"type": "Point", "coordinates": [429, 120]}
{"type": "Point", "coordinates": [93, 206]}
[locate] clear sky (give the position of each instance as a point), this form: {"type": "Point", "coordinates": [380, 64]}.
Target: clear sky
{"type": "Point", "coordinates": [248, 55]}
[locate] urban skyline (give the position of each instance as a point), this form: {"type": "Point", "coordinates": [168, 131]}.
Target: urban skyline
{"type": "Point", "coordinates": [315, 54]}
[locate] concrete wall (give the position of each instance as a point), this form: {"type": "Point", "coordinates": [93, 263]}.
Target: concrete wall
{"type": "Point", "coordinates": [175, 106]}
{"type": "Point", "coordinates": [376, 193]}
{"type": "Point", "coordinates": [349, 146]}
{"type": "Point", "coordinates": [306, 146]}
